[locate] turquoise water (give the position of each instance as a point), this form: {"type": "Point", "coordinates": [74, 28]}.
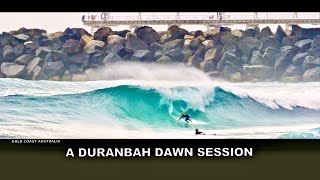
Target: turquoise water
{"type": "Point", "coordinates": [103, 109]}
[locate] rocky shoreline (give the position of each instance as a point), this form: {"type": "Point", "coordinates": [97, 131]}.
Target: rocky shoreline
{"type": "Point", "coordinates": [250, 55]}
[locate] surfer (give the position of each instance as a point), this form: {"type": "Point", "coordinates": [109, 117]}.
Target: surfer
{"type": "Point", "coordinates": [199, 132]}
{"type": "Point", "coordinates": [187, 116]}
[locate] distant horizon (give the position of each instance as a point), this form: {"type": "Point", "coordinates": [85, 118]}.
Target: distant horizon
{"type": "Point", "coordinates": [55, 22]}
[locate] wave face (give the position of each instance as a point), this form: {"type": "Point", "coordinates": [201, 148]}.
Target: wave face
{"type": "Point", "coordinates": [149, 108]}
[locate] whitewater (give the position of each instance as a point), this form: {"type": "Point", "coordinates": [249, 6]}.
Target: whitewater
{"type": "Point", "coordinates": [133, 100]}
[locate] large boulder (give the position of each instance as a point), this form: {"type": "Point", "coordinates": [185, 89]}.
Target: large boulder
{"type": "Point", "coordinates": [164, 60]}
{"type": "Point", "coordinates": [31, 47]}
{"type": "Point", "coordinates": [92, 46]}
{"type": "Point", "coordinates": [304, 33]}
{"type": "Point", "coordinates": [30, 32]}
{"type": "Point", "coordinates": [315, 46]}
{"type": "Point", "coordinates": [293, 70]}
{"type": "Point", "coordinates": [54, 35]}
{"type": "Point", "coordinates": [208, 44]}
{"type": "Point", "coordinates": [173, 44]}
{"type": "Point", "coordinates": [195, 60]}
{"type": "Point", "coordinates": [19, 49]}
{"type": "Point", "coordinates": [53, 69]}
{"type": "Point", "coordinates": [198, 33]}
{"type": "Point", "coordinates": [38, 73]}
{"type": "Point", "coordinates": [248, 45]}
{"type": "Point", "coordinates": [111, 58]}
{"type": "Point", "coordinates": [224, 29]}
{"type": "Point", "coordinates": [304, 45]}
{"type": "Point", "coordinates": [135, 43]}
{"type": "Point", "coordinates": [256, 58]}
{"type": "Point", "coordinates": [85, 40]}
{"type": "Point", "coordinates": [42, 52]}
{"type": "Point", "coordinates": [228, 38]}
{"type": "Point", "coordinates": [289, 40]}
{"type": "Point", "coordinates": [71, 46]}
{"type": "Point", "coordinates": [8, 39]}
{"type": "Point", "coordinates": [176, 33]}
{"type": "Point", "coordinates": [269, 56]}
{"type": "Point", "coordinates": [269, 42]}
{"type": "Point", "coordinates": [310, 62]}
{"type": "Point", "coordinates": [284, 59]}
{"type": "Point", "coordinates": [115, 39]}
{"type": "Point", "coordinates": [229, 57]}
{"type": "Point", "coordinates": [210, 33]}
{"type": "Point", "coordinates": [261, 72]}
{"type": "Point", "coordinates": [142, 55]}
{"type": "Point", "coordinates": [280, 34]}
{"type": "Point", "coordinates": [299, 58]}
{"type": "Point", "coordinates": [24, 59]}
{"type": "Point", "coordinates": [147, 34]}
{"type": "Point", "coordinates": [229, 69]}
{"type": "Point", "coordinates": [12, 70]}
{"type": "Point", "coordinates": [155, 47]}
{"type": "Point", "coordinates": [8, 53]}
{"type": "Point", "coordinates": [312, 74]}
{"type": "Point", "coordinates": [102, 34]}
{"type": "Point", "coordinates": [32, 64]}
{"type": "Point", "coordinates": [56, 44]}
{"type": "Point", "coordinates": [22, 37]}
{"type": "Point", "coordinates": [73, 33]}
{"type": "Point", "coordinates": [176, 54]}
{"type": "Point", "coordinates": [265, 33]}
{"type": "Point", "coordinates": [56, 56]}
{"type": "Point", "coordinates": [74, 69]}
{"type": "Point", "coordinates": [122, 33]}
{"type": "Point", "coordinates": [78, 58]}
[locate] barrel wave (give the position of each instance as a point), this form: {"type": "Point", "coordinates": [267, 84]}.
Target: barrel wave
{"type": "Point", "coordinates": [149, 109]}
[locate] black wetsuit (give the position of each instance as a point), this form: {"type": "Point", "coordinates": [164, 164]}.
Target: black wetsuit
{"type": "Point", "coordinates": [199, 132]}
{"type": "Point", "coordinates": [187, 116]}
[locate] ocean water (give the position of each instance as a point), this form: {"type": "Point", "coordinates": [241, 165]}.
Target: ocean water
{"type": "Point", "coordinates": [145, 101]}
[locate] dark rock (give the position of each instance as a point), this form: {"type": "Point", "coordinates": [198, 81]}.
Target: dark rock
{"type": "Point", "coordinates": [78, 58]}
{"type": "Point", "coordinates": [147, 34]}
{"type": "Point", "coordinates": [122, 33]}
{"type": "Point", "coordinates": [96, 59]}
{"type": "Point", "coordinates": [248, 45]}
{"type": "Point", "coordinates": [293, 70]}
{"type": "Point", "coordinates": [42, 52]}
{"type": "Point", "coordinates": [228, 38]}
{"type": "Point", "coordinates": [269, 56]}
{"type": "Point", "coordinates": [224, 29]}
{"type": "Point", "coordinates": [115, 48]}
{"type": "Point", "coordinates": [115, 39]}
{"type": "Point", "coordinates": [280, 34]}
{"type": "Point", "coordinates": [93, 46]}
{"type": "Point", "coordinates": [198, 33]}
{"type": "Point", "coordinates": [31, 47]}
{"type": "Point", "coordinates": [176, 33]}
{"type": "Point", "coordinates": [56, 44]}
{"type": "Point", "coordinates": [111, 57]}
{"type": "Point", "coordinates": [30, 32]}
{"type": "Point", "coordinates": [142, 55]}
{"type": "Point", "coordinates": [164, 60]}
{"type": "Point", "coordinates": [56, 56]}
{"type": "Point", "coordinates": [304, 45]}
{"type": "Point", "coordinates": [19, 49]}
{"type": "Point", "coordinates": [230, 57]}
{"type": "Point", "coordinates": [173, 44]}
{"type": "Point", "coordinates": [135, 43]}
{"type": "Point", "coordinates": [304, 33]}
{"type": "Point", "coordinates": [214, 74]}
{"type": "Point", "coordinates": [187, 54]}
{"type": "Point", "coordinates": [73, 33]}
{"type": "Point", "coordinates": [229, 69]}
{"type": "Point", "coordinates": [299, 58]}
{"type": "Point", "coordinates": [256, 58]}
{"type": "Point", "coordinates": [284, 59]}
{"type": "Point", "coordinates": [200, 52]}
{"type": "Point", "coordinates": [315, 46]}
{"type": "Point", "coordinates": [32, 64]}
{"type": "Point", "coordinates": [74, 69]}
{"type": "Point", "coordinates": [194, 44]}
{"type": "Point", "coordinates": [71, 46]}
{"type": "Point", "coordinates": [289, 40]}
{"type": "Point", "coordinates": [102, 34]}
{"type": "Point", "coordinates": [269, 42]}
{"type": "Point", "coordinates": [176, 54]}
{"type": "Point", "coordinates": [260, 72]}
{"type": "Point", "coordinates": [8, 39]}
{"type": "Point", "coordinates": [195, 60]}
{"type": "Point", "coordinates": [37, 73]}
{"type": "Point", "coordinates": [312, 74]}
{"type": "Point", "coordinates": [310, 62]}
{"type": "Point", "coordinates": [12, 70]}
{"type": "Point", "coordinates": [8, 53]}
{"type": "Point", "coordinates": [125, 54]}
{"type": "Point", "coordinates": [24, 59]}
{"type": "Point", "coordinates": [249, 33]}
{"type": "Point", "coordinates": [265, 33]}
{"type": "Point", "coordinates": [155, 47]}
{"type": "Point", "coordinates": [53, 69]}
